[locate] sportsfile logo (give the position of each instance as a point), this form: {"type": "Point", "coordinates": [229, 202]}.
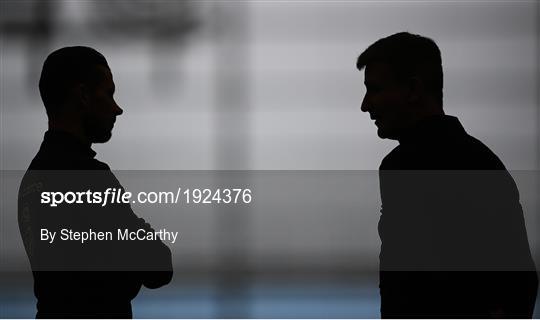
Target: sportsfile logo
{"type": "Point", "coordinates": [120, 196]}
{"type": "Point", "coordinates": [109, 196]}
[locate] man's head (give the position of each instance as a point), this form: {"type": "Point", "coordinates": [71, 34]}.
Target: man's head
{"type": "Point", "coordinates": [404, 81]}
{"type": "Point", "coordinates": [77, 88]}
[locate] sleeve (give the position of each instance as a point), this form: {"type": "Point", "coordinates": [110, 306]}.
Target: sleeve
{"type": "Point", "coordinates": [150, 258]}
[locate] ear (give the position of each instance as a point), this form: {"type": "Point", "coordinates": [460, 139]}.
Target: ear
{"type": "Point", "coordinates": [416, 89]}
{"type": "Point", "coordinates": [83, 94]}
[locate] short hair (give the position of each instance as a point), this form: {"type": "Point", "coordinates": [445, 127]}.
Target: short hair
{"type": "Point", "coordinates": [408, 55]}
{"type": "Point", "coordinates": [65, 68]}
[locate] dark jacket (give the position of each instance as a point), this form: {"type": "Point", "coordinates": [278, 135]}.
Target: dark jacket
{"type": "Point", "coordinates": [95, 279]}
{"type": "Point", "coordinates": [454, 242]}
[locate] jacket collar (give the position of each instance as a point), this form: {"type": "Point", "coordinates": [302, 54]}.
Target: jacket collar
{"type": "Point", "coordinates": [67, 142]}
{"type": "Point", "coordinates": [431, 128]}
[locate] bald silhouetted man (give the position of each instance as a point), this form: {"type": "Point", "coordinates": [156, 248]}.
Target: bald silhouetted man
{"type": "Point", "coordinates": [453, 237]}
{"type": "Point", "coordinates": [96, 278]}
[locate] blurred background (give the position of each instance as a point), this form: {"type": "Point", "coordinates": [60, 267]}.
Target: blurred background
{"type": "Point", "coordinates": [271, 87]}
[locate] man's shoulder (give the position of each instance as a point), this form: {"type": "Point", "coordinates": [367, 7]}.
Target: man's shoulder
{"type": "Point", "coordinates": [460, 152]}
{"type": "Point", "coordinates": [464, 151]}
{"type": "Point", "coordinates": [65, 161]}
{"type": "Point", "coordinates": [477, 155]}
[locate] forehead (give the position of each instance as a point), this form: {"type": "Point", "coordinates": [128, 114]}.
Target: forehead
{"type": "Point", "coordinates": [106, 77]}
{"type": "Point", "coordinates": [378, 72]}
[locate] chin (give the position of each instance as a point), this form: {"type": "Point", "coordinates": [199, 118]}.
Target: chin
{"type": "Point", "coordinates": [384, 134]}
{"type": "Point", "coordinates": [102, 138]}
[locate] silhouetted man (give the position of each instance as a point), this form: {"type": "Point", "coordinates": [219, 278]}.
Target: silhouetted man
{"type": "Point", "coordinates": [74, 278]}
{"type": "Point", "coordinates": [452, 230]}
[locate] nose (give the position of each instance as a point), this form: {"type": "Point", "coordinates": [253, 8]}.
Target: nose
{"type": "Point", "coordinates": [118, 111]}
{"type": "Point", "coordinates": [365, 104]}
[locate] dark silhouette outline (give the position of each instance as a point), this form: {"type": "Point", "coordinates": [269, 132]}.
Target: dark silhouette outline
{"type": "Point", "coordinates": [97, 279]}
{"type": "Point", "coordinates": [454, 242]}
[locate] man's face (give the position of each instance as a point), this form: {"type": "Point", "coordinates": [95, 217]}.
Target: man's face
{"type": "Point", "coordinates": [385, 100]}
{"type": "Point", "coordinates": [101, 110]}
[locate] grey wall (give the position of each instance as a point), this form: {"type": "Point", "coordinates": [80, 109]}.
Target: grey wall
{"type": "Point", "coordinates": [270, 85]}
